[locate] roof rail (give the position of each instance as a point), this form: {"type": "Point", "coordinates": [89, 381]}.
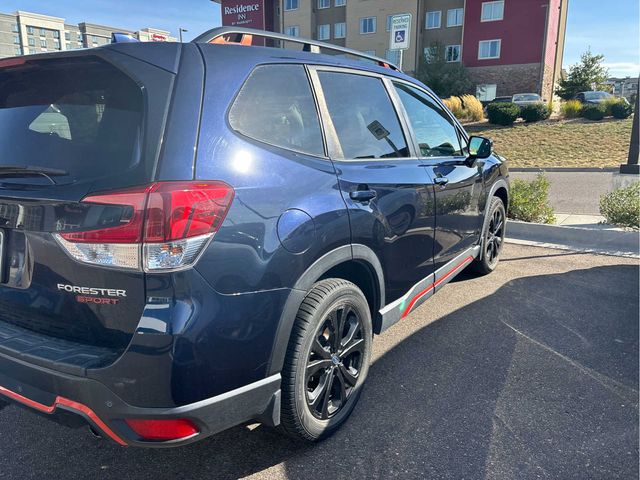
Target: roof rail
{"type": "Point", "coordinates": [244, 36]}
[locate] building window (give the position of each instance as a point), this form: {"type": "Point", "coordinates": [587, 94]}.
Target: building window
{"type": "Point", "coordinates": [368, 25]}
{"type": "Point", "coordinates": [94, 39]}
{"type": "Point", "coordinates": [79, 37]}
{"type": "Point", "coordinates": [30, 30]}
{"type": "Point", "coordinates": [370, 52]}
{"type": "Point", "coordinates": [489, 49]}
{"type": "Point", "coordinates": [434, 19]}
{"type": "Point", "coordinates": [32, 51]}
{"type": "Point", "coordinates": [56, 34]}
{"type": "Point", "coordinates": [16, 39]}
{"type": "Point", "coordinates": [340, 3]}
{"type": "Point", "coordinates": [454, 17]}
{"type": "Point", "coordinates": [340, 30]}
{"type": "Point", "coordinates": [32, 42]}
{"type": "Point", "coordinates": [291, 4]}
{"type": "Point", "coordinates": [56, 43]}
{"type": "Point", "coordinates": [293, 30]}
{"type": "Point", "coordinates": [430, 53]}
{"type": "Point", "coordinates": [393, 56]}
{"type": "Point", "coordinates": [67, 36]}
{"type": "Point", "coordinates": [324, 32]}
{"type": "Point", "coordinates": [43, 32]}
{"type": "Point", "coordinates": [18, 51]}
{"type": "Point", "coordinates": [43, 43]}
{"type": "Point", "coordinates": [15, 28]}
{"type": "Point", "coordinates": [324, 4]}
{"type": "Point", "coordinates": [492, 11]}
{"type": "Point", "coordinates": [486, 92]}
{"type": "Point", "coordinates": [452, 53]}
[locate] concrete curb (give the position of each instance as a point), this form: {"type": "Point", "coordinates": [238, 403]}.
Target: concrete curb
{"type": "Point", "coordinates": [565, 169]}
{"type": "Point", "coordinates": [595, 240]}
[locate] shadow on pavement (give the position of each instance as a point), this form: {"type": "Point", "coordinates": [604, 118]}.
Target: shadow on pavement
{"type": "Point", "coordinates": [538, 380]}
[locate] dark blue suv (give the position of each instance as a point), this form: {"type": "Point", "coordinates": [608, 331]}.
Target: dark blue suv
{"type": "Point", "coordinates": [193, 236]}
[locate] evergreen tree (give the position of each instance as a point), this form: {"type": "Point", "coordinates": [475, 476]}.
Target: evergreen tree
{"type": "Point", "coordinates": [586, 75]}
{"type": "Point", "coordinates": [446, 79]}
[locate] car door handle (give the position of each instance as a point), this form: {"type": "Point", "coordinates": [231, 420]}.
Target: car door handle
{"type": "Point", "coordinates": [442, 181]}
{"type": "Point", "coordinates": [362, 195]}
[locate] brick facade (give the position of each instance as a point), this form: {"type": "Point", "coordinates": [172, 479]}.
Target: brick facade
{"type": "Point", "coordinates": [509, 79]}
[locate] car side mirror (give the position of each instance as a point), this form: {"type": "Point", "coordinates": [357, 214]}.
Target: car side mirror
{"type": "Point", "coordinates": [479, 148]}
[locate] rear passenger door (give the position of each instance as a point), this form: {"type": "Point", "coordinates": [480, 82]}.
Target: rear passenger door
{"type": "Point", "coordinates": [389, 195]}
{"type": "Point", "coordinates": [458, 185]}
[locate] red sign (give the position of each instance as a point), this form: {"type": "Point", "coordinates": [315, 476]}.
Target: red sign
{"type": "Point", "coordinates": [156, 37]}
{"type": "Point", "coordinates": [243, 13]}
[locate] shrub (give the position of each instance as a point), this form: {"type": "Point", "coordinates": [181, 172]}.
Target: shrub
{"type": "Point", "coordinates": [608, 105]}
{"type": "Point", "coordinates": [622, 206]}
{"type": "Point", "coordinates": [473, 108]}
{"type": "Point", "coordinates": [593, 112]}
{"type": "Point", "coordinates": [503, 113]}
{"type": "Point", "coordinates": [535, 112]}
{"type": "Point", "coordinates": [621, 109]}
{"type": "Point", "coordinates": [528, 201]}
{"type": "Point", "coordinates": [455, 105]}
{"type": "Point", "coordinates": [571, 109]}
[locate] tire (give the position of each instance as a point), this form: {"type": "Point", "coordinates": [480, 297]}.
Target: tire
{"type": "Point", "coordinates": [318, 361]}
{"type": "Point", "coordinates": [492, 238]}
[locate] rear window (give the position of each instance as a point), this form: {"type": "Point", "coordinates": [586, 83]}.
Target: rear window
{"type": "Point", "coordinates": [82, 116]}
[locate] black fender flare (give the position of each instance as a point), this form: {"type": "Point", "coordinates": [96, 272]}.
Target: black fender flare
{"type": "Point", "coordinates": [304, 283]}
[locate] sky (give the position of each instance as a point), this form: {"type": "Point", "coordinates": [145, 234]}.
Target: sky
{"type": "Point", "coordinates": [610, 27]}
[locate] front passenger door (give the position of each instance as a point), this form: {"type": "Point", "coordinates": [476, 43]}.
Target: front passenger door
{"type": "Point", "coordinates": [458, 185]}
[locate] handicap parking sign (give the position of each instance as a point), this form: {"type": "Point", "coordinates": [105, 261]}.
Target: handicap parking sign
{"type": "Point", "coordinates": [400, 32]}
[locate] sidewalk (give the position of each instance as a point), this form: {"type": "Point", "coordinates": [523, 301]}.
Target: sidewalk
{"type": "Point", "coordinates": [574, 192]}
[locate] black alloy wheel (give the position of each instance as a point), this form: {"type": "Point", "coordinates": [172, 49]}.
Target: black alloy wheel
{"type": "Point", "coordinates": [334, 362]}
{"type": "Point", "coordinates": [327, 360]}
{"type": "Point", "coordinates": [495, 235]}
{"type": "Point", "coordinates": [492, 238]}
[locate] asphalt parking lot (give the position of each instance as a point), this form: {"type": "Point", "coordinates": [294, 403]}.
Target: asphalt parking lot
{"type": "Point", "coordinates": [531, 372]}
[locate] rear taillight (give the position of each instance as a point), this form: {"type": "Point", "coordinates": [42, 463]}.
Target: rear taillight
{"type": "Point", "coordinates": [160, 227]}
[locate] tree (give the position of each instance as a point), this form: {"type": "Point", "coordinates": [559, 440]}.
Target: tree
{"type": "Point", "coordinates": [585, 75]}
{"type": "Point", "coordinates": [445, 78]}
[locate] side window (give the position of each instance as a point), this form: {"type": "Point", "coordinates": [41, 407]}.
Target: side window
{"type": "Point", "coordinates": [275, 106]}
{"type": "Point", "coordinates": [434, 130]}
{"type": "Point", "coordinates": [363, 115]}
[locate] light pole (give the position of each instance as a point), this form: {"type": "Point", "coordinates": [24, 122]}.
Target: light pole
{"type": "Point", "coordinates": [180, 30]}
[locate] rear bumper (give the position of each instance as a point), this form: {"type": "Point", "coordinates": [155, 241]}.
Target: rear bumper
{"type": "Point", "coordinates": [51, 393]}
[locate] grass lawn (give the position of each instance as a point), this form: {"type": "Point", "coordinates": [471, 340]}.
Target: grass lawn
{"type": "Point", "coordinates": [565, 143]}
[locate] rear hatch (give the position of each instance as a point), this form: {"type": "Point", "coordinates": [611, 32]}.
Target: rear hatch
{"type": "Point", "coordinates": [73, 126]}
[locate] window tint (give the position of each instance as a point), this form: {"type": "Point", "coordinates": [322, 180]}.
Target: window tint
{"type": "Point", "coordinates": [364, 118]}
{"type": "Point", "coordinates": [79, 115]}
{"type": "Point", "coordinates": [434, 130]}
{"type": "Point", "coordinates": [275, 106]}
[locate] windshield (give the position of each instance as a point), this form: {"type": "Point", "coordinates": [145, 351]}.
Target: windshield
{"type": "Point", "coordinates": [82, 116]}
{"type": "Point", "coordinates": [526, 97]}
{"type": "Point", "coordinates": [596, 95]}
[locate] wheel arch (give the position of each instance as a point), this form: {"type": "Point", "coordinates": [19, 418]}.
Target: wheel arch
{"type": "Point", "coordinates": [355, 263]}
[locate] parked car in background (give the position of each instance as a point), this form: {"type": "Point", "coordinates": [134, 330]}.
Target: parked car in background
{"type": "Point", "coordinates": [593, 98]}
{"type": "Point", "coordinates": [521, 99]}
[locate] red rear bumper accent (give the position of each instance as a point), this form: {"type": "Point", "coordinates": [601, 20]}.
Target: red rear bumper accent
{"type": "Point", "coordinates": [65, 402]}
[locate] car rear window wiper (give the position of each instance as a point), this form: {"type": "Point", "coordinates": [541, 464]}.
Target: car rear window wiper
{"type": "Point", "coordinates": [18, 171]}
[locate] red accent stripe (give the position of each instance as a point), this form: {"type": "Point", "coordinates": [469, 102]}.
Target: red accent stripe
{"type": "Point", "coordinates": [79, 407]}
{"type": "Point", "coordinates": [434, 285]}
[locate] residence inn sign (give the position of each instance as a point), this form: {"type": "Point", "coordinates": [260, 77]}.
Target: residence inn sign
{"type": "Point", "coordinates": [244, 13]}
